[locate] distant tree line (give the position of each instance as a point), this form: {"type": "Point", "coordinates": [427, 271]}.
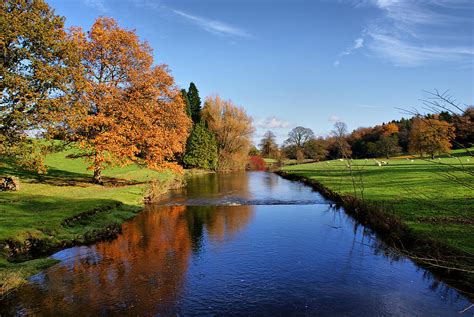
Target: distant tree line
{"type": "Point", "coordinates": [421, 135]}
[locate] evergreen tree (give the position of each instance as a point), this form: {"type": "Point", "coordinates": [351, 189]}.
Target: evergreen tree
{"type": "Point", "coordinates": [201, 149]}
{"type": "Point", "coordinates": [194, 102]}
{"type": "Point", "coordinates": [184, 94]}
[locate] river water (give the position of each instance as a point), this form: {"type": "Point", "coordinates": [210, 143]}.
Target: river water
{"type": "Point", "coordinates": [237, 244]}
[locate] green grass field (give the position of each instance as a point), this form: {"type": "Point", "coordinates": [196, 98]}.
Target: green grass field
{"type": "Point", "coordinates": [38, 209]}
{"type": "Point", "coordinates": [423, 193]}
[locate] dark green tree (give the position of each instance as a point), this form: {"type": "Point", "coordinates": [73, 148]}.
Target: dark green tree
{"type": "Point", "coordinates": [194, 102]}
{"type": "Point", "coordinates": [201, 149]}
{"type": "Point", "coordinates": [387, 146]}
{"type": "Point", "coordinates": [184, 94]}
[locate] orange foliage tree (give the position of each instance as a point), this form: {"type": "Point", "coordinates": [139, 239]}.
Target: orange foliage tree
{"type": "Point", "coordinates": [430, 136]}
{"type": "Point", "coordinates": [389, 129]}
{"type": "Point", "coordinates": [233, 129]}
{"type": "Point", "coordinates": [131, 111]}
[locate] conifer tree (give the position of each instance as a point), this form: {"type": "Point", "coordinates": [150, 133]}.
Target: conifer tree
{"type": "Point", "coordinates": [201, 149]}
{"type": "Point", "coordinates": [184, 94]}
{"type": "Point", "coordinates": [194, 102]}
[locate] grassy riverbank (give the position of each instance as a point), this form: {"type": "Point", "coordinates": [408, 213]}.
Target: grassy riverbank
{"type": "Point", "coordinates": [430, 197]}
{"type": "Point", "coordinates": [61, 209]}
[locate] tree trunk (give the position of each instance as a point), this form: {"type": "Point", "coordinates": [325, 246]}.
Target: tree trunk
{"type": "Point", "coordinates": [432, 156]}
{"type": "Point", "coordinates": [97, 175]}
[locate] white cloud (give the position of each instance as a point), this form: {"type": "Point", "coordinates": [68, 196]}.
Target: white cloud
{"type": "Point", "coordinates": [404, 53]}
{"type": "Point", "coordinates": [358, 43]}
{"type": "Point", "coordinates": [333, 118]}
{"type": "Point", "coordinates": [96, 4]}
{"type": "Point", "coordinates": [213, 26]}
{"type": "Point", "coordinates": [272, 123]}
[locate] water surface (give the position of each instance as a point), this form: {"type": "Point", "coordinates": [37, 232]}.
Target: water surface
{"type": "Point", "coordinates": [237, 244]}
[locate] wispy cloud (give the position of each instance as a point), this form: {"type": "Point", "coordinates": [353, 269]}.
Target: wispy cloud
{"type": "Point", "coordinates": [213, 26]}
{"type": "Point", "coordinates": [412, 33]}
{"type": "Point", "coordinates": [272, 123]}
{"type": "Point", "coordinates": [99, 5]}
{"type": "Point", "coordinates": [358, 43]}
{"type": "Point", "coordinates": [333, 118]}
{"type": "Point", "coordinates": [404, 53]}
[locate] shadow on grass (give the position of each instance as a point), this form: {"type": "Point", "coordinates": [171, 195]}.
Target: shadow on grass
{"type": "Point", "coordinates": [53, 177]}
{"type": "Point", "coordinates": [57, 177]}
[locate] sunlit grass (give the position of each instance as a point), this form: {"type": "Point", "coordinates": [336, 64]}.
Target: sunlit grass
{"type": "Point", "coordinates": [41, 205]}
{"type": "Point", "coordinates": [416, 190]}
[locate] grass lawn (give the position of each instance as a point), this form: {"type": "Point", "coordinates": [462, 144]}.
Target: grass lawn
{"type": "Point", "coordinates": [416, 190]}
{"type": "Point", "coordinates": [38, 209]}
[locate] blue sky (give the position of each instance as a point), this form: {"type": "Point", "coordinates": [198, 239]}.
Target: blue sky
{"type": "Point", "coordinates": [306, 63]}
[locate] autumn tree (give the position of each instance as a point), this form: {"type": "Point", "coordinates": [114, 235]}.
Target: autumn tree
{"type": "Point", "coordinates": [37, 70]}
{"type": "Point", "coordinates": [389, 129]}
{"type": "Point", "coordinates": [464, 125]}
{"type": "Point", "coordinates": [315, 149]}
{"type": "Point", "coordinates": [340, 145]}
{"type": "Point", "coordinates": [387, 144]}
{"type": "Point", "coordinates": [430, 136]}
{"type": "Point", "coordinates": [233, 130]}
{"type": "Point", "coordinates": [268, 145]}
{"type": "Point", "coordinates": [194, 102]}
{"type": "Point", "coordinates": [131, 110]}
{"type": "Point", "coordinates": [201, 148]}
{"type": "Point", "coordinates": [253, 151]}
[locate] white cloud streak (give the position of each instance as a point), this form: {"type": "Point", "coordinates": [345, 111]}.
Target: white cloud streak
{"type": "Point", "coordinates": [358, 43]}
{"type": "Point", "coordinates": [413, 33]}
{"type": "Point", "coordinates": [272, 123]}
{"type": "Point", "coordinates": [213, 26]}
{"type": "Point", "coordinates": [333, 118]}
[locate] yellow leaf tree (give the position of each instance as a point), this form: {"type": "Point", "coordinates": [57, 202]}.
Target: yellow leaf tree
{"type": "Point", "coordinates": [233, 130]}
{"type": "Point", "coordinates": [430, 136]}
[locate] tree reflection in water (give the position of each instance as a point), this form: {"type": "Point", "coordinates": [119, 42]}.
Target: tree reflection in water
{"type": "Point", "coordinates": [143, 271]}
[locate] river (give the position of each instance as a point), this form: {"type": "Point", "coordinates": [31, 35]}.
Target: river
{"type": "Point", "coordinates": [237, 244]}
